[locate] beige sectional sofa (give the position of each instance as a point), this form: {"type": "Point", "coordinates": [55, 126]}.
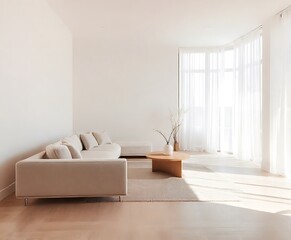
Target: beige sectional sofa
{"type": "Point", "coordinates": [97, 172]}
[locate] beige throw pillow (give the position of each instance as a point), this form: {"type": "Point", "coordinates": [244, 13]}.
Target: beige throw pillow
{"type": "Point", "coordinates": [76, 154]}
{"type": "Point", "coordinates": [75, 141]}
{"type": "Point", "coordinates": [88, 140]}
{"type": "Point", "coordinates": [57, 151]}
{"type": "Point", "coordinates": [102, 138]}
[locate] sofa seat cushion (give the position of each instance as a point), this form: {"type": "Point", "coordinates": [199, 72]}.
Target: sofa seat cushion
{"type": "Point", "coordinates": [89, 154]}
{"type": "Point", "coordinates": [113, 147]}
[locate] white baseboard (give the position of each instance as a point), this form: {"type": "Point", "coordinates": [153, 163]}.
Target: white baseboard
{"type": "Point", "coordinates": [5, 192]}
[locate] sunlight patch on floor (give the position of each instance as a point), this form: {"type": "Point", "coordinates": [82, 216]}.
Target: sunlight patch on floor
{"type": "Point", "coordinates": [256, 189]}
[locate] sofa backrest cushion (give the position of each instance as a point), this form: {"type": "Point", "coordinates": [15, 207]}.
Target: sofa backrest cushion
{"type": "Point", "coordinates": [75, 141]}
{"type": "Point", "coordinates": [75, 153]}
{"type": "Point", "coordinates": [58, 151]}
{"type": "Point", "coordinates": [102, 138]}
{"type": "Point", "coordinates": [88, 140]}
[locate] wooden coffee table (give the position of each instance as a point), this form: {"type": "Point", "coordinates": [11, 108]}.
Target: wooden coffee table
{"type": "Point", "coordinates": [168, 164]}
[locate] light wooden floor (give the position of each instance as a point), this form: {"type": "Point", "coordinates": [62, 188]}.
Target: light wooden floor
{"type": "Point", "coordinates": [263, 212]}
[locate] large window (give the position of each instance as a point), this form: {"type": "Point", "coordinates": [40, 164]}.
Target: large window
{"type": "Point", "coordinates": [220, 89]}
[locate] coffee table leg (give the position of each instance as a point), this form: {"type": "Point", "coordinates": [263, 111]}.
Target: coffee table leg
{"type": "Point", "coordinates": [172, 167]}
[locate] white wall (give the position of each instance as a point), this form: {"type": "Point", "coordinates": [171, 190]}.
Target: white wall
{"type": "Point", "coordinates": [124, 85]}
{"type": "Point", "coordinates": [36, 82]}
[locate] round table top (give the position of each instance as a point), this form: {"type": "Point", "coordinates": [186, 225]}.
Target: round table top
{"type": "Point", "coordinates": [161, 155]}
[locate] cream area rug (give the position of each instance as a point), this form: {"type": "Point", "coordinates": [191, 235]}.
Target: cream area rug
{"type": "Point", "coordinates": [198, 184]}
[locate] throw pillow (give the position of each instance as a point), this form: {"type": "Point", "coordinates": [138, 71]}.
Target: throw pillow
{"type": "Point", "coordinates": [88, 140]}
{"type": "Point", "coordinates": [76, 154]}
{"type": "Point", "coordinates": [75, 141]}
{"type": "Point", "coordinates": [57, 151]}
{"type": "Point", "coordinates": [102, 138]}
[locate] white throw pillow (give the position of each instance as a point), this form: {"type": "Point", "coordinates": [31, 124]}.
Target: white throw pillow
{"type": "Point", "coordinates": [102, 138]}
{"type": "Point", "coordinates": [57, 151]}
{"type": "Point", "coordinates": [76, 154]}
{"type": "Point", "coordinates": [88, 140]}
{"type": "Point", "coordinates": [75, 141]}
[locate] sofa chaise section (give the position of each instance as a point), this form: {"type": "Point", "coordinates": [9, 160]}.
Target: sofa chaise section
{"type": "Point", "coordinates": [135, 148]}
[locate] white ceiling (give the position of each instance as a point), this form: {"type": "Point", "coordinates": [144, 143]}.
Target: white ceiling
{"type": "Point", "coordinates": [181, 23]}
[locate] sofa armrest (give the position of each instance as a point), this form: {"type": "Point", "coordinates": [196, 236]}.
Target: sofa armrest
{"type": "Point", "coordinates": [71, 178]}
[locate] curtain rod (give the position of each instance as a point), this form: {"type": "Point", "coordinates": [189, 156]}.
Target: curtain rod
{"type": "Point", "coordinates": [228, 45]}
{"type": "Point", "coordinates": [282, 11]}
{"type": "Point", "coordinates": [245, 35]}
{"type": "Point", "coordinates": [241, 38]}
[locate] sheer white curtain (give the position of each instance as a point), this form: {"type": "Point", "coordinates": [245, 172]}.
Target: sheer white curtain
{"type": "Point", "coordinates": [213, 75]}
{"type": "Point", "coordinates": [199, 76]}
{"type": "Point", "coordinates": [226, 101]}
{"type": "Point", "coordinates": [247, 103]}
{"type": "Point", "coordinates": [280, 94]}
{"type": "Point", "coordinates": [221, 91]}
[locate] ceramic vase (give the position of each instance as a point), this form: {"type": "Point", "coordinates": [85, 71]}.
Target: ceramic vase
{"type": "Point", "coordinates": [168, 150]}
